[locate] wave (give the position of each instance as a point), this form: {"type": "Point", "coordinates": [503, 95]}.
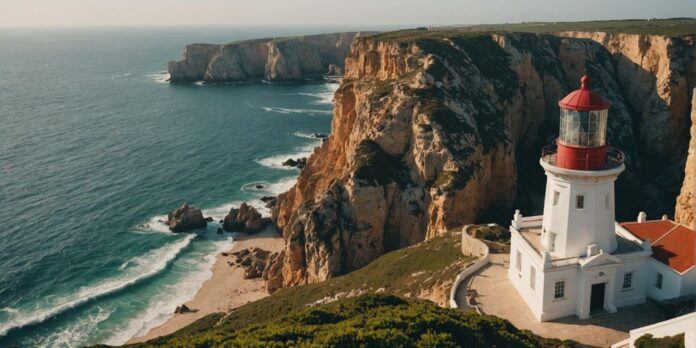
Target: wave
{"type": "Point", "coordinates": [276, 161]}
{"type": "Point", "coordinates": [80, 332]}
{"type": "Point", "coordinates": [286, 111]}
{"type": "Point", "coordinates": [161, 307]}
{"type": "Point", "coordinates": [159, 77]}
{"type": "Point", "coordinates": [308, 135]}
{"type": "Point", "coordinates": [122, 75]}
{"type": "Point", "coordinates": [143, 267]}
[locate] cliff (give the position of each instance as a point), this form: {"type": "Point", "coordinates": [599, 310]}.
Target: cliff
{"type": "Point", "coordinates": [436, 129]}
{"type": "Point", "coordinates": [686, 202]}
{"type": "Point", "coordinates": [277, 59]}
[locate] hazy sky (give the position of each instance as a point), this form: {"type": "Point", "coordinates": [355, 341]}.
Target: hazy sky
{"type": "Point", "coordinates": [17, 13]}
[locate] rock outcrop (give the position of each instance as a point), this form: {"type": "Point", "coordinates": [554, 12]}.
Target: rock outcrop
{"type": "Point", "coordinates": [186, 218]}
{"type": "Point", "coordinates": [436, 130]}
{"type": "Point", "coordinates": [685, 211]}
{"type": "Point", "coordinates": [244, 219]}
{"type": "Point", "coordinates": [253, 260]}
{"type": "Point", "coordinates": [276, 59]}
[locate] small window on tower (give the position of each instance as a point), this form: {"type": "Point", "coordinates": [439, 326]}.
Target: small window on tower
{"type": "Point", "coordinates": [579, 202]}
{"type": "Point", "coordinates": [552, 242]}
{"type": "Point", "coordinates": [658, 281]}
{"type": "Point", "coordinates": [518, 261]}
{"type": "Point", "coordinates": [607, 201]}
{"type": "Point", "coordinates": [556, 196]}
{"type": "Point", "coordinates": [532, 277]}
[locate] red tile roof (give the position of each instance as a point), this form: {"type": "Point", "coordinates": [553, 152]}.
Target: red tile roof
{"type": "Point", "coordinates": [672, 244]}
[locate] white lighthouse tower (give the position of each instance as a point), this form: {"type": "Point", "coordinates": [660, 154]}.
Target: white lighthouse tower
{"type": "Point", "coordinates": [580, 170]}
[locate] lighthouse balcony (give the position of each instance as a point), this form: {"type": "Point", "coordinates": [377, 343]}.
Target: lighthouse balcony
{"type": "Point", "coordinates": [583, 158]}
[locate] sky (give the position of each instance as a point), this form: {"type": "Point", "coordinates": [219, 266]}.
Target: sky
{"type": "Point", "coordinates": [61, 13]}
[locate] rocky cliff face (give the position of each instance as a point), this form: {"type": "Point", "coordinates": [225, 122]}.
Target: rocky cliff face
{"type": "Point", "coordinates": [439, 129]}
{"type": "Point", "coordinates": [281, 59]}
{"type": "Point", "coordinates": [686, 202]}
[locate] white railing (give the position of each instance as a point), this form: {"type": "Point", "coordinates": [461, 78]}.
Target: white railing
{"type": "Point", "coordinates": [519, 221]}
{"type": "Point", "coordinates": [469, 245]}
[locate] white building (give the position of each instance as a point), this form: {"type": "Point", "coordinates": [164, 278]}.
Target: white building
{"type": "Point", "coordinates": [685, 324]}
{"type": "Point", "coordinates": [575, 259]}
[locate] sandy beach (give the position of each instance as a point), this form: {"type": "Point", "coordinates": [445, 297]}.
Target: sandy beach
{"type": "Point", "coordinates": [226, 289]}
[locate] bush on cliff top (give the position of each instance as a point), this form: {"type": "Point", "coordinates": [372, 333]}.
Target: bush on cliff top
{"type": "Point", "coordinates": [375, 321]}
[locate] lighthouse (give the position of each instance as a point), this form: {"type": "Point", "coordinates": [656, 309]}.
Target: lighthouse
{"type": "Point", "coordinates": [581, 170]}
{"type": "Point", "coordinates": [575, 259]}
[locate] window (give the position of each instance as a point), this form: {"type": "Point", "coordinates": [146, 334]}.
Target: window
{"type": "Point", "coordinates": [658, 281]}
{"type": "Point", "coordinates": [518, 261]}
{"type": "Point", "coordinates": [607, 201]}
{"type": "Point", "coordinates": [628, 280]}
{"type": "Point", "coordinates": [552, 242]}
{"type": "Point", "coordinates": [556, 196]}
{"type": "Point", "coordinates": [579, 202]}
{"type": "Point", "coordinates": [559, 290]}
{"type": "Point", "coordinates": [532, 277]}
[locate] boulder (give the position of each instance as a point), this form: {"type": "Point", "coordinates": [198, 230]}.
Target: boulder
{"type": "Point", "coordinates": [245, 219]}
{"type": "Point", "coordinates": [297, 163]}
{"type": "Point", "coordinates": [185, 218]}
{"type": "Point", "coordinates": [270, 201]}
{"type": "Point", "coordinates": [182, 309]}
{"type": "Point", "coordinates": [253, 260]}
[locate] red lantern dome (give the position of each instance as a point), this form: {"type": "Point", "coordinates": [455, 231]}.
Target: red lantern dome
{"type": "Point", "coordinates": [584, 99]}
{"type": "Point", "coordinates": [581, 144]}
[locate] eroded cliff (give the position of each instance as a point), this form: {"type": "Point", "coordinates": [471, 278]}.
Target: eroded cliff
{"type": "Point", "coordinates": [433, 130]}
{"type": "Point", "coordinates": [277, 59]}
{"type": "Point", "coordinates": [686, 202]}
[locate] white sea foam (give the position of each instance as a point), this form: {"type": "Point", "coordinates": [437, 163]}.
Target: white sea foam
{"type": "Point", "coordinates": [162, 306]}
{"type": "Point", "coordinates": [276, 161]}
{"type": "Point", "coordinates": [296, 111]}
{"type": "Point", "coordinates": [144, 267]}
{"type": "Point", "coordinates": [156, 224]}
{"type": "Point", "coordinates": [159, 77]}
{"type": "Point", "coordinates": [9, 310]}
{"type": "Point", "coordinates": [307, 135]}
{"type": "Point", "coordinates": [80, 332]}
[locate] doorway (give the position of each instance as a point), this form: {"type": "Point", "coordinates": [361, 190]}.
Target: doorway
{"type": "Point", "coordinates": [597, 297]}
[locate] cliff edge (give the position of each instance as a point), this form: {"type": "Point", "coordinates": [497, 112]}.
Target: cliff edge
{"type": "Point", "coordinates": [276, 59]}
{"type": "Point", "coordinates": [686, 202]}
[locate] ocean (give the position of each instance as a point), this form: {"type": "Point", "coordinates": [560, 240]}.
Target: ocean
{"type": "Point", "coordinates": [96, 147]}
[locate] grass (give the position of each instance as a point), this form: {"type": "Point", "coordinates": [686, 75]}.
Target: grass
{"type": "Point", "coordinates": [374, 320]}
{"type": "Point", "coordinates": [668, 27]}
{"type": "Point", "coordinates": [404, 272]}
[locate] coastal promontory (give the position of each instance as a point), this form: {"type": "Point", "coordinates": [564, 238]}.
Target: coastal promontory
{"type": "Point", "coordinates": [273, 59]}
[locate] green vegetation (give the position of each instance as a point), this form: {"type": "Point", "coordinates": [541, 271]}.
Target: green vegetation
{"type": "Point", "coordinates": [669, 27]}
{"type": "Point", "coordinates": [490, 232]}
{"type": "Point", "coordinates": [374, 320]}
{"type": "Point", "coordinates": [404, 272]}
{"type": "Point", "coordinates": [375, 166]}
{"type": "Point", "coordinates": [648, 341]}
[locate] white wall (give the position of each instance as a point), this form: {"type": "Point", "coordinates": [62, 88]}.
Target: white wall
{"type": "Point", "coordinates": [557, 308]}
{"type": "Point", "coordinates": [685, 324]}
{"type": "Point", "coordinates": [671, 282]}
{"type": "Point", "coordinates": [689, 282]}
{"type": "Point", "coordinates": [636, 293]}
{"type": "Point", "coordinates": [575, 229]}
{"type": "Point", "coordinates": [521, 280]}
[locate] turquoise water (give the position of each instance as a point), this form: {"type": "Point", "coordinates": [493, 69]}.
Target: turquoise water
{"type": "Point", "coordinates": [94, 144]}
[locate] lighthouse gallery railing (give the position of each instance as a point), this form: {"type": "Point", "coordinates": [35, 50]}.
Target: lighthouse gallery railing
{"type": "Point", "coordinates": [615, 157]}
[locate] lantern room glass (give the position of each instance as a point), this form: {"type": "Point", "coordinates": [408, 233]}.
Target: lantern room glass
{"type": "Point", "coordinates": [583, 128]}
